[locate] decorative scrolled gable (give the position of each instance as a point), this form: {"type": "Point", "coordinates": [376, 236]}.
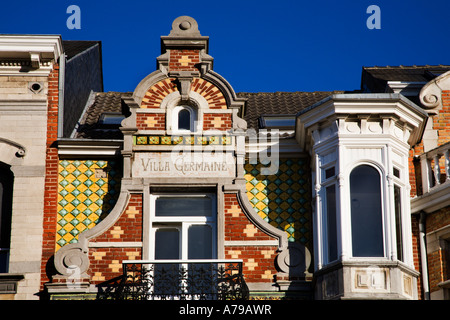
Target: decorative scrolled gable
{"type": "Point", "coordinates": [185, 81]}
{"type": "Point", "coordinates": [431, 93]}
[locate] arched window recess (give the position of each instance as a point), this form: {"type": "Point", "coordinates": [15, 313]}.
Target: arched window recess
{"type": "Point", "coordinates": [184, 118]}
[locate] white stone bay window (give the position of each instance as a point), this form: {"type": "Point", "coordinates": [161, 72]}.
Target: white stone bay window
{"type": "Point", "coordinates": [359, 146]}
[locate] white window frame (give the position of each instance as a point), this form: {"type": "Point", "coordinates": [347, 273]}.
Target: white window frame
{"type": "Point", "coordinates": [384, 218]}
{"type": "Point", "coordinates": [325, 183]}
{"type": "Point", "coordinates": [193, 119]}
{"type": "Point", "coordinates": [182, 223]}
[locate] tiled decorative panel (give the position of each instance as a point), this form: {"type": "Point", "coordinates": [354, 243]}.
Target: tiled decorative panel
{"type": "Point", "coordinates": [187, 140]}
{"type": "Point", "coordinates": [87, 191]}
{"type": "Point", "coordinates": [283, 199]}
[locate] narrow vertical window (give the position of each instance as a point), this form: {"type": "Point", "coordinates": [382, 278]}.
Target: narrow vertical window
{"type": "Point", "coordinates": [6, 190]}
{"type": "Point", "coordinates": [398, 222]}
{"type": "Point", "coordinates": [331, 222]}
{"type": "Point", "coordinates": [184, 120]}
{"type": "Point", "coordinates": [366, 212]}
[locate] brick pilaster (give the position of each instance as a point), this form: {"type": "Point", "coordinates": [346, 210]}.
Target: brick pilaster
{"type": "Point", "coordinates": [51, 174]}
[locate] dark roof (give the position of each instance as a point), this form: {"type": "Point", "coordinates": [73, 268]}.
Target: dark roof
{"type": "Point", "coordinates": [281, 103]}
{"type": "Point", "coordinates": [74, 47]}
{"type": "Point", "coordinates": [374, 79]}
{"type": "Point", "coordinates": [103, 102]}
{"type": "Point", "coordinates": [262, 103]}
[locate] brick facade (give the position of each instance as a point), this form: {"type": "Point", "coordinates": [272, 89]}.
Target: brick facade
{"type": "Point", "coordinates": [441, 122]}
{"type": "Point", "coordinates": [106, 263]}
{"type": "Point", "coordinates": [217, 121]}
{"type": "Point", "coordinates": [258, 260]}
{"type": "Point", "coordinates": [151, 121]}
{"type": "Point", "coordinates": [51, 175]}
{"type": "Point", "coordinates": [184, 59]}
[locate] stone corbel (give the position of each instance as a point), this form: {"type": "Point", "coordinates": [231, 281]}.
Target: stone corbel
{"type": "Point", "coordinates": [184, 79]}
{"type": "Point", "coordinates": [35, 60]}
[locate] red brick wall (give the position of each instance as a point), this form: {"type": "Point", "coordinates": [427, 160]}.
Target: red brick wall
{"type": "Point", "coordinates": [128, 227]}
{"type": "Point", "coordinates": [415, 179]}
{"type": "Point", "coordinates": [151, 121]}
{"type": "Point", "coordinates": [416, 251]}
{"type": "Point", "coordinates": [438, 260]}
{"type": "Point", "coordinates": [106, 263]}
{"type": "Point", "coordinates": [51, 174]}
{"type": "Point", "coordinates": [441, 122]}
{"type": "Point", "coordinates": [217, 121]}
{"type": "Point", "coordinates": [258, 261]}
{"type": "Point", "coordinates": [184, 60]}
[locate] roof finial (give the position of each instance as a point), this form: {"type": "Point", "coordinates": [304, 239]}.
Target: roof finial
{"type": "Point", "coordinates": [184, 26]}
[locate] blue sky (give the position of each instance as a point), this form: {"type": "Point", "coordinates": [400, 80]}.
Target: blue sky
{"type": "Point", "coordinates": [258, 46]}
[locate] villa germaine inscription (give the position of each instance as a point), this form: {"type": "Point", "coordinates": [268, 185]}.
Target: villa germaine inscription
{"type": "Point", "coordinates": [147, 165]}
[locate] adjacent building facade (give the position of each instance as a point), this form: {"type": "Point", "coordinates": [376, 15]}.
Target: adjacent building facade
{"type": "Point", "coordinates": [315, 195]}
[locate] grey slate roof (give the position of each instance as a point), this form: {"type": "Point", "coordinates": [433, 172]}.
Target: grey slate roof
{"type": "Point", "coordinates": [74, 47]}
{"type": "Point", "coordinates": [278, 103]}
{"type": "Point", "coordinates": [374, 79]}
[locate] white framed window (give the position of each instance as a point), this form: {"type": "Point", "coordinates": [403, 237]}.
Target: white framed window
{"type": "Point", "coordinates": [329, 212]}
{"type": "Point", "coordinates": [366, 212]}
{"type": "Point", "coordinates": [183, 226]}
{"type": "Point", "coordinates": [184, 119]}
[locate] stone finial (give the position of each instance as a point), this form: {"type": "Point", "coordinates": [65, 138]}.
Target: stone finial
{"type": "Point", "coordinates": [185, 26]}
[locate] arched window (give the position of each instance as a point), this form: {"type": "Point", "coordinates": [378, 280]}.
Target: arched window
{"type": "Point", "coordinates": [184, 119]}
{"type": "Point", "coordinates": [6, 189]}
{"type": "Point", "coordinates": [366, 212]}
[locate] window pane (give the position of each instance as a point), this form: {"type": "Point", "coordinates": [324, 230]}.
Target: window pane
{"type": "Point", "coordinates": [366, 217]}
{"type": "Point", "coordinates": [167, 244]}
{"type": "Point", "coordinates": [6, 196]}
{"type": "Point", "coordinates": [398, 222]}
{"type": "Point", "coordinates": [279, 121]}
{"type": "Point", "coordinates": [199, 242]}
{"type": "Point", "coordinates": [331, 223]}
{"type": "Point", "coordinates": [329, 173]}
{"type": "Point", "coordinates": [183, 206]}
{"type": "Point", "coordinates": [184, 119]}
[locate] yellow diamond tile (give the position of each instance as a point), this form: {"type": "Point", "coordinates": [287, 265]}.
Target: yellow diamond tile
{"type": "Point", "coordinates": [260, 205]}
{"type": "Point", "coordinates": [70, 197]}
{"type": "Point", "coordinates": [284, 206]}
{"type": "Point", "coordinates": [69, 207]}
{"type": "Point", "coordinates": [81, 227]}
{"type": "Point", "coordinates": [260, 186]}
{"type": "Point", "coordinates": [260, 196]}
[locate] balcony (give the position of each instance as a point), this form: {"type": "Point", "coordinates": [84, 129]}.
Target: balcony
{"type": "Point", "coordinates": [435, 176]}
{"type": "Point", "coordinates": [177, 280]}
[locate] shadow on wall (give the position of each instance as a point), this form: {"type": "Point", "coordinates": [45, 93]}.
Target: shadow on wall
{"type": "Point", "coordinates": [284, 199]}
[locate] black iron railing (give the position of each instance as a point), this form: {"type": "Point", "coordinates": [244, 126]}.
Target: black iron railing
{"type": "Point", "coordinates": [177, 280]}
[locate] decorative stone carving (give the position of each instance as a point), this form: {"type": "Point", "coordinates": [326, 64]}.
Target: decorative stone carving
{"type": "Point", "coordinates": [295, 260]}
{"type": "Point", "coordinates": [71, 259]}
{"type": "Point", "coordinates": [430, 95]}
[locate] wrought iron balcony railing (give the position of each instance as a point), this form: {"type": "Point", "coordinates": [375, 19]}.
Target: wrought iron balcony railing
{"type": "Point", "coordinates": [177, 280]}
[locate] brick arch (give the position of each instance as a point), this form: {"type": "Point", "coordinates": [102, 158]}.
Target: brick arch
{"type": "Point", "coordinates": [212, 94]}
{"type": "Point", "coordinates": [157, 92]}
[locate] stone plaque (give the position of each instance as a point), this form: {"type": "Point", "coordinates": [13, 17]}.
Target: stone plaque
{"type": "Point", "coordinates": [202, 164]}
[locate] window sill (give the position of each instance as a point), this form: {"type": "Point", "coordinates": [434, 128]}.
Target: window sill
{"type": "Point", "coordinates": [8, 282]}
